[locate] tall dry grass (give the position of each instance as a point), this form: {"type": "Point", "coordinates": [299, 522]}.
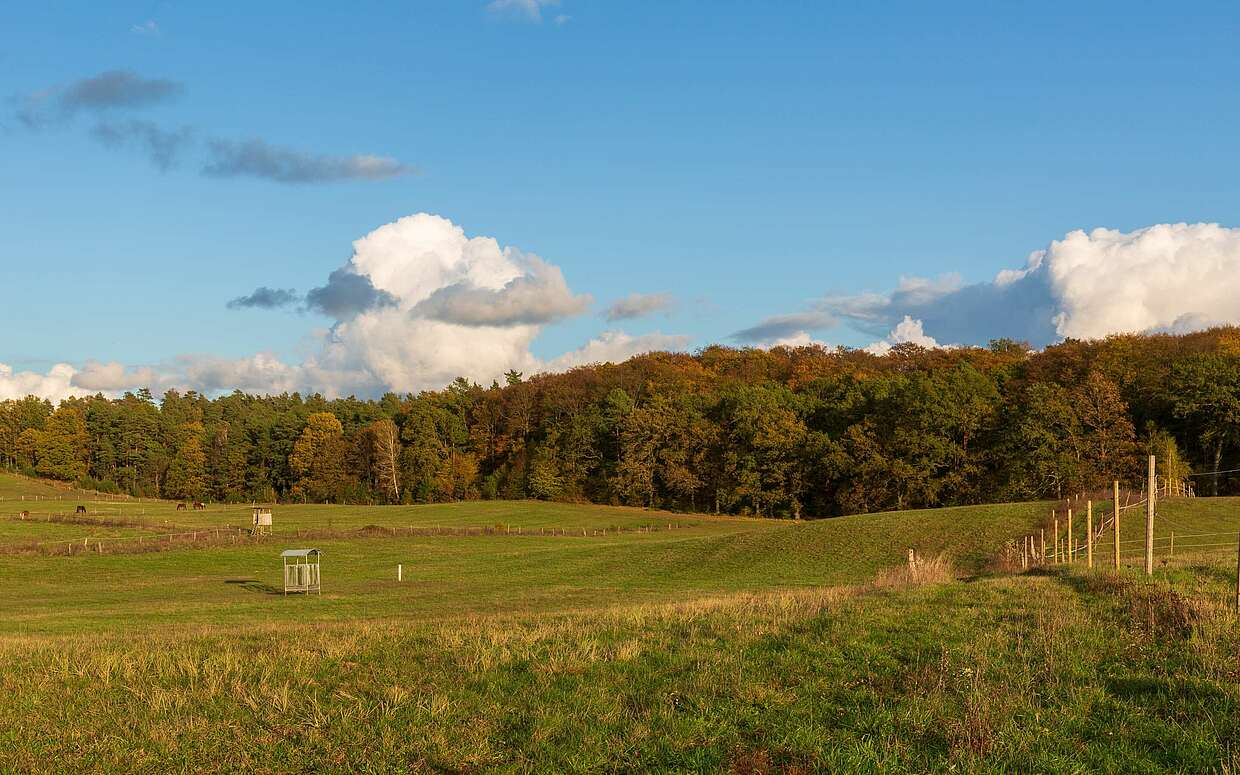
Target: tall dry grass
{"type": "Point", "coordinates": [936, 569]}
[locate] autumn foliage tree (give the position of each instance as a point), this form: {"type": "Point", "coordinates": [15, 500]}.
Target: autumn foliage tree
{"type": "Point", "coordinates": [187, 471]}
{"type": "Point", "coordinates": [385, 457]}
{"type": "Point", "coordinates": [62, 450]}
{"type": "Point", "coordinates": [318, 459]}
{"type": "Point", "coordinates": [782, 432]}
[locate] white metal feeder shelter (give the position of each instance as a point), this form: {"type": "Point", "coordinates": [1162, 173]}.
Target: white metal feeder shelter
{"type": "Point", "coordinates": [301, 570]}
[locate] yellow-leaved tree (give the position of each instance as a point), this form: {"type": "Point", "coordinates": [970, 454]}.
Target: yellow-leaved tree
{"type": "Point", "coordinates": [318, 459]}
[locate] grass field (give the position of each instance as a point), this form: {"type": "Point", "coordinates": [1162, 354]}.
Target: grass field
{"type": "Point", "coordinates": [721, 645]}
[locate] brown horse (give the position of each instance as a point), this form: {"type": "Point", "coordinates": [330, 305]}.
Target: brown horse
{"type": "Point", "coordinates": [24, 515]}
{"type": "Point", "coordinates": [80, 510]}
{"type": "Point", "coordinates": [180, 507]}
{"type": "Point", "coordinates": [200, 507]}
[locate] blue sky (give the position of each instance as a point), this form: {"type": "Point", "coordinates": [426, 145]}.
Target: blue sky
{"type": "Point", "coordinates": [749, 159]}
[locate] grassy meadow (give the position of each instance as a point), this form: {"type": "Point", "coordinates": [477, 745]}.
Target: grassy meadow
{"type": "Point", "coordinates": [720, 645]}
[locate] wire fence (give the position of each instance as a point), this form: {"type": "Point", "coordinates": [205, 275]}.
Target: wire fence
{"type": "Point", "coordinates": [1103, 544]}
{"type": "Point", "coordinates": [163, 540]}
{"type": "Point", "coordinates": [89, 496]}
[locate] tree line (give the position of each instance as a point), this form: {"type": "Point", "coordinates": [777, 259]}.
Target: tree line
{"type": "Point", "coordinates": [785, 432]}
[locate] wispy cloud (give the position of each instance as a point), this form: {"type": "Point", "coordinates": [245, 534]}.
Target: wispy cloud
{"type": "Point", "coordinates": [257, 158]}
{"type": "Point", "coordinates": [524, 10]}
{"type": "Point", "coordinates": [112, 94]}
{"type": "Point", "coordinates": [148, 28]}
{"type": "Point", "coordinates": [162, 146]}
{"type": "Point", "coordinates": [110, 90]}
{"type": "Point", "coordinates": [266, 298]}
{"type": "Point", "coordinates": [118, 89]}
{"type": "Point", "coordinates": [637, 305]}
{"type": "Point", "coordinates": [784, 326]}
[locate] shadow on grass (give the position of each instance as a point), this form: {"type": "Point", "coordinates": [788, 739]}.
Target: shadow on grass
{"type": "Point", "coordinates": [254, 585]}
{"type": "Point", "coordinates": [1211, 572]}
{"type": "Point", "coordinates": [1150, 605]}
{"type": "Point", "coordinates": [1173, 692]}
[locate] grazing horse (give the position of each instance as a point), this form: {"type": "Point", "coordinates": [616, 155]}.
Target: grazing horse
{"type": "Point", "coordinates": [200, 507]}
{"type": "Point", "coordinates": [180, 507]}
{"type": "Point", "coordinates": [80, 510]}
{"type": "Point", "coordinates": [24, 515]}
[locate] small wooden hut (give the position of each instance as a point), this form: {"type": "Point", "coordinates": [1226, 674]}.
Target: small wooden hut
{"type": "Point", "coordinates": [301, 570]}
{"type": "Point", "coordinates": [262, 521]}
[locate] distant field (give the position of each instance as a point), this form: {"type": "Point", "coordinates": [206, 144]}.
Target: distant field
{"type": "Point", "coordinates": [15, 531]}
{"type": "Point", "coordinates": [455, 576]}
{"type": "Point", "coordinates": [721, 644]}
{"type": "Point", "coordinates": [15, 487]}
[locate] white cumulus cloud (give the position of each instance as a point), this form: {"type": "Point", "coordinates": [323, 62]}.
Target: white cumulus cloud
{"type": "Point", "coordinates": [614, 347]}
{"type": "Point", "coordinates": [1164, 276]}
{"type": "Point", "coordinates": [1087, 285]}
{"type": "Point", "coordinates": [56, 385]}
{"type": "Point", "coordinates": [96, 377]}
{"type": "Point", "coordinates": [907, 331]}
{"type": "Point", "coordinates": [418, 304]}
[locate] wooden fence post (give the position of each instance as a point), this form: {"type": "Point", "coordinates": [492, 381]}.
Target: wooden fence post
{"type": "Point", "coordinates": [1071, 554]}
{"type": "Point", "coordinates": [1115, 508]}
{"type": "Point", "coordinates": [1056, 540]}
{"type": "Point", "coordinates": [1238, 575]}
{"type": "Point", "coordinates": [1089, 533]}
{"type": "Point", "coordinates": [1149, 520]}
{"type": "Point", "coordinates": [1042, 556]}
{"type": "Point", "coordinates": [1171, 551]}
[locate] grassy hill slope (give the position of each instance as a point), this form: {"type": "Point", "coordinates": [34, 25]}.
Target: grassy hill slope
{"type": "Point", "coordinates": [458, 575]}
{"type": "Point", "coordinates": [729, 645]}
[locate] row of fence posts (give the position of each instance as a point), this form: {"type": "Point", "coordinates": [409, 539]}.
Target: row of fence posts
{"type": "Point", "coordinates": [1031, 552]}
{"type": "Point", "coordinates": [86, 495]}
{"type": "Point", "coordinates": [143, 540]}
{"type": "Point", "coordinates": [98, 543]}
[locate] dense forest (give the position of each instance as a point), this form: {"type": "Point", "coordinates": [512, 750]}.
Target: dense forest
{"type": "Point", "coordinates": [786, 432]}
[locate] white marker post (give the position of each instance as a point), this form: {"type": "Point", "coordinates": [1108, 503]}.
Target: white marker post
{"type": "Point", "coordinates": [400, 570]}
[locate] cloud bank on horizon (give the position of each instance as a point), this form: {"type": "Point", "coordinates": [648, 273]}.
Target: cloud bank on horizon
{"type": "Point", "coordinates": [417, 305]}
{"type": "Point", "coordinates": [1168, 277]}
{"type": "Point", "coordinates": [421, 303]}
